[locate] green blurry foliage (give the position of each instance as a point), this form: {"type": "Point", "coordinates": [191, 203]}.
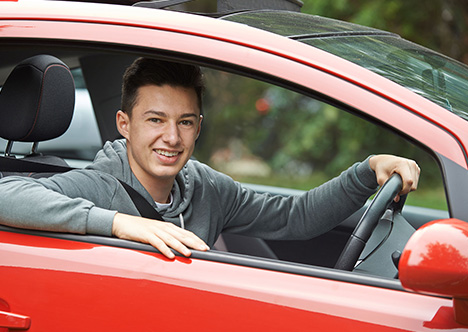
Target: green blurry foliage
{"type": "Point", "coordinates": [439, 24]}
{"type": "Point", "coordinates": [302, 141]}
{"type": "Point", "coordinates": [295, 132]}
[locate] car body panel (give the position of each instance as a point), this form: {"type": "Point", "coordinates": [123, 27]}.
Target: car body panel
{"type": "Point", "coordinates": [76, 276]}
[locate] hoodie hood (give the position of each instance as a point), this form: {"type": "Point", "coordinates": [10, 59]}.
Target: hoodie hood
{"type": "Point", "coordinates": [113, 159]}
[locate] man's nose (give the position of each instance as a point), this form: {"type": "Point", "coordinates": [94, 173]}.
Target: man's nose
{"type": "Point", "coordinates": [171, 134]}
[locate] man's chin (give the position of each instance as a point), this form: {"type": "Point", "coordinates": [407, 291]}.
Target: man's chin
{"type": "Point", "coordinates": [166, 172]}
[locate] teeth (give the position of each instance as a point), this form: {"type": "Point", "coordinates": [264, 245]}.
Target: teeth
{"type": "Point", "coordinates": [167, 153]}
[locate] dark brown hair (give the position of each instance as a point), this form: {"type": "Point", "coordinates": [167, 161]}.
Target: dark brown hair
{"type": "Point", "coordinates": [147, 71]}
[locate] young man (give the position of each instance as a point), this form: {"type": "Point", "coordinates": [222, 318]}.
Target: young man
{"type": "Point", "coordinates": [160, 121]}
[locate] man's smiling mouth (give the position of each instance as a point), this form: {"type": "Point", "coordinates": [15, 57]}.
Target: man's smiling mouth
{"type": "Point", "coordinates": [167, 153]}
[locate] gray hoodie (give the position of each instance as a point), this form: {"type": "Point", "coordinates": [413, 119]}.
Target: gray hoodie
{"type": "Point", "coordinates": [85, 201]}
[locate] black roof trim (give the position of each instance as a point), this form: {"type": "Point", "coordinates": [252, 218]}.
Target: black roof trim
{"type": "Point", "coordinates": [159, 4]}
{"type": "Point", "coordinates": [228, 6]}
{"type": "Point", "coordinates": [239, 5]}
{"type": "Point", "coordinates": [343, 34]}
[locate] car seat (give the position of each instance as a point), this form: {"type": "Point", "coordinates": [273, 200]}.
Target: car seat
{"type": "Point", "coordinates": [36, 104]}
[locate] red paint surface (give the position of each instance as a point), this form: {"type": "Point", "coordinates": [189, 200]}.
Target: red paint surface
{"type": "Point", "coordinates": [64, 285]}
{"type": "Point", "coordinates": [435, 261]}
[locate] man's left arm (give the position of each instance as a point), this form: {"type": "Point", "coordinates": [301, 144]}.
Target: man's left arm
{"type": "Point", "coordinates": [320, 209]}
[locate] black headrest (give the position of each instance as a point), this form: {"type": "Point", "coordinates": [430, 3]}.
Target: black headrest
{"type": "Point", "coordinates": [37, 100]}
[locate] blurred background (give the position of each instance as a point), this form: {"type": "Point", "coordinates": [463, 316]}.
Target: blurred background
{"type": "Point", "coordinates": [441, 25]}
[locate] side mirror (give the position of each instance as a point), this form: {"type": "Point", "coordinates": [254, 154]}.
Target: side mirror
{"type": "Point", "coordinates": [435, 261]}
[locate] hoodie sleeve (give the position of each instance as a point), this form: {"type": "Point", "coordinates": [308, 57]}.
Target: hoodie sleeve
{"type": "Point", "coordinates": [71, 202]}
{"type": "Point", "coordinates": [299, 217]}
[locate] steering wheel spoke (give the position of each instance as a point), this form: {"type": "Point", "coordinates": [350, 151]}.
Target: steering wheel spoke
{"type": "Point", "coordinates": [361, 234]}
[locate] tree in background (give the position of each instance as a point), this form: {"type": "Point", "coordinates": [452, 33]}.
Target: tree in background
{"type": "Point", "coordinates": [441, 25]}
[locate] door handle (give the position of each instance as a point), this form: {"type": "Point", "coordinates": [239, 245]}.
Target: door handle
{"type": "Point", "coordinates": [14, 321]}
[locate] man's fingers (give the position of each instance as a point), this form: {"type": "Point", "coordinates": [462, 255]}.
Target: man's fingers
{"type": "Point", "coordinates": [386, 165]}
{"type": "Point", "coordinates": [161, 235]}
{"type": "Point", "coordinates": [178, 239]}
{"type": "Point", "coordinates": [187, 238]}
{"type": "Point", "coordinates": [161, 246]}
{"type": "Point", "coordinates": [409, 173]}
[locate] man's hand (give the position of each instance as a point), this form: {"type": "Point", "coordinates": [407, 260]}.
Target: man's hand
{"type": "Point", "coordinates": [161, 235]}
{"type": "Point", "coordinates": [385, 165]}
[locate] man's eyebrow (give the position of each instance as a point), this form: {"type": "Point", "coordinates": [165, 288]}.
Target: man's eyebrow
{"type": "Point", "coordinates": [188, 115]}
{"type": "Point", "coordinates": [163, 114]}
{"type": "Point", "coordinates": [153, 112]}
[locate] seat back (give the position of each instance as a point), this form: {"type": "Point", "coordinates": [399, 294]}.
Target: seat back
{"type": "Point", "coordinates": [36, 101]}
{"type": "Point", "coordinates": [36, 104]}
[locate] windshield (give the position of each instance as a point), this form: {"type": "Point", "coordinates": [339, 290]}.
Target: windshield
{"type": "Point", "coordinates": [436, 77]}
{"type": "Point", "coordinates": [431, 75]}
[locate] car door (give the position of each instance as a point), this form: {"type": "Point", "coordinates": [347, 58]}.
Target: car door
{"type": "Point", "coordinates": [60, 284]}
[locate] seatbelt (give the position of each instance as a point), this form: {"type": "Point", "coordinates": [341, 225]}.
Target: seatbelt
{"type": "Point", "coordinates": [144, 207]}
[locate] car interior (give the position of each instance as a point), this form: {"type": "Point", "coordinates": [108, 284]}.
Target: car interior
{"type": "Point", "coordinates": [99, 72]}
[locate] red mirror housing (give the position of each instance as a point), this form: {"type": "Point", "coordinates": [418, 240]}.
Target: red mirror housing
{"type": "Point", "coordinates": [435, 261]}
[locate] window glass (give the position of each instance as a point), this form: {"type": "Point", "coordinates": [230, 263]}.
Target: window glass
{"type": "Point", "coordinates": [263, 134]}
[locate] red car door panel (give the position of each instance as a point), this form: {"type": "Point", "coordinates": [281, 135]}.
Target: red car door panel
{"type": "Point", "coordinates": [67, 285]}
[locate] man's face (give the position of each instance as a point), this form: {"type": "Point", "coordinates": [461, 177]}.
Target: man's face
{"type": "Point", "coordinates": [161, 132]}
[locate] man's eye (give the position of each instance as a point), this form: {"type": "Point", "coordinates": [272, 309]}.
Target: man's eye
{"type": "Point", "coordinates": [155, 120]}
{"type": "Point", "coordinates": [186, 122]}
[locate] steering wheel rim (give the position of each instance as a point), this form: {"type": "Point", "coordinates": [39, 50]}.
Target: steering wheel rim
{"type": "Point", "coordinates": [366, 225]}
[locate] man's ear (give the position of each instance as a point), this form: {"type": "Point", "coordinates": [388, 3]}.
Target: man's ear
{"type": "Point", "coordinates": [122, 121]}
{"type": "Point", "coordinates": [199, 126]}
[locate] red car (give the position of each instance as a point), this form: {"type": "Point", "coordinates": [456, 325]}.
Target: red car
{"type": "Point", "coordinates": [279, 83]}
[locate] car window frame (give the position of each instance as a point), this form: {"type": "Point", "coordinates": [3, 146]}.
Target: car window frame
{"type": "Point", "coordinates": [230, 63]}
{"type": "Point", "coordinates": [224, 54]}
{"type": "Point", "coordinates": [223, 257]}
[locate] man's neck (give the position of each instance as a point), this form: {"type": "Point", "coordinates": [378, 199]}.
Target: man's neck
{"type": "Point", "coordinates": [159, 188]}
{"type": "Point", "coordinates": [160, 192]}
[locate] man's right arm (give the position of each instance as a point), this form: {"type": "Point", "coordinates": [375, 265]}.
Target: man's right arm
{"type": "Point", "coordinates": [57, 204]}
{"type": "Point", "coordinates": [54, 204]}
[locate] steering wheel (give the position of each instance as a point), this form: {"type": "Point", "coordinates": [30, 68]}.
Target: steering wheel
{"type": "Point", "coordinates": [361, 234]}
